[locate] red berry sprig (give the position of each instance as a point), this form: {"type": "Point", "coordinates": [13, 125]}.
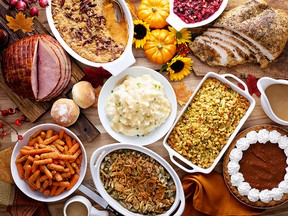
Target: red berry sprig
{"type": "Point", "coordinates": [22, 5]}
{"type": "Point", "coordinates": [17, 122]}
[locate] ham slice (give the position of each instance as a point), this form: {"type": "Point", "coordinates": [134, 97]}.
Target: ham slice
{"type": "Point", "coordinates": [36, 67]}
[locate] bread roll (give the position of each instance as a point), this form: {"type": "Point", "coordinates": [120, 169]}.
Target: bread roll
{"type": "Point", "coordinates": [83, 94]}
{"type": "Point", "coordinates": [65, 112]}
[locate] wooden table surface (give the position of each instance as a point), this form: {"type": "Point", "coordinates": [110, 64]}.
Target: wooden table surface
{"type": "Point", "coordinates": [257, 117]}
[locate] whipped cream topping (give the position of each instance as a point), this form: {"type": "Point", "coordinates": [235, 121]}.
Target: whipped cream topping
{"type": "Point", "coordinates": [237, 179]}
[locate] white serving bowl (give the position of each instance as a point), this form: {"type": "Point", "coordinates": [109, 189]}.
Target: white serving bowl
{"type": "Point", "coordinates": [262, 84]}
{"type": "Point", "coordinates": [190, 167]}
{"type": "Point", "coordinates": [95, 162]}
{"type": "Point", "coordinates": [179, 24]}
{"type": "Point", "coordinates": [21, 183]}
{"type": "Point", "coordinates": [109, 86]}
{"type": "Point", "coordinates": [115, 67]}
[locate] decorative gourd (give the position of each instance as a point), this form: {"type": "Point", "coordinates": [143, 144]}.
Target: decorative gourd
{"type": "Point", "coordinates": [161, 47]}
{"type": "Point", "coordinates": [154, 12]}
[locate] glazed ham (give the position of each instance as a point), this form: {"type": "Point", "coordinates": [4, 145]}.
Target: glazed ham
{"type": "Point", "coordinates": [252, 32]}
{"type": "Point", "coordinates": [36, 67]}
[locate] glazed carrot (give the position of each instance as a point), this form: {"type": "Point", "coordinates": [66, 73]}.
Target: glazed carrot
{"type": "Point", "coordinates": [53, 155]}
{"type": "Point", "coordinates": [46, 192]}
{"type": "Point", "coordinates": [60, 142]}
{"type": "Point", "coordinates": [61, 134]}
{"type": "Point", "coordinates": [53, 190]}
{"type": "Point", "coordinates": [77, 153]}
{"type": "Point", "coordinates": [61, 183]}
{"type": "Point", "coordinates": [34, 176]}
{"type": "Point", "coordinates": [30, 158]}
{"type": "Point", "coordinates": [20, 170]}
{"type": "Point", "coordinates": [27, 147]}
{"type": "Point", "coordinates": [74, 148]}
{"type": "Point", "coordinates": [32, 142]}
{"type": "Point", "coordinates": [35, 165]}
{"type": "Point", "coordinates": [66, 157]}
{"type": "Point", "coordinates": [68, 141]}
{"type": "Point", "coordinates": [43, 161]}
{"type": "Point", "coordinates": [38, 183]}
{"type": "Point", "coordinates": [45, 185]}
{"type": "Point", "coordinates": [19, 156]}
{"type": "Point", "coordinates": [43, 135]}
{"type": "Point", "coordinates": [49, 133]}
{"type": "Point", "coordinates": [76, 167]}
{"type": "Point", "coordinates": [73, 181]}
{"type": "Point", "coordinates": [36, 133]}
{"type": "Point", "coordinates": [22, 159]}
{"type": "Point", "coordinates": [70, 167]}
{"type": "Point", "coordinates": [39, 140]}
{"type": "Point", "coordinates": [46, 171]}
{"type": "Point", "coordinates": [35, 151]}
{"type": "Point", "coordinates": [27, 171]}
{"type": "Point", "coordinates": [58, 177]}
{"type": "Point", "coordinates": [66, 175]}
{"type": "Point", "coordinates": [50, 139]}
{"type": "Point", "coordinates": [59, 190]}
{"type": "Point", "coordinates": [58, 168]}
{"type": "Point", "coordinates": [59, 147]}
{"type": "Point", "coordinates": [43, 178]}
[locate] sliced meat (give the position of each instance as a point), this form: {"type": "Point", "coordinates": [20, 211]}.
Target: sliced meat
{"type": "Point", "coordinates": [66, 74]}
{"type": "Point", "coordinates": [228, 54]}
{"type": "Point", "coordinates": [259, 57]}
{"type": "Point", "coordinates": [36, 67]}
{"type": "Point", "coordinates": [49, 70]}
{"type": "Point", "coordinates": [19, 67]}
{"type": "Point", "coordinates": [268, 31]}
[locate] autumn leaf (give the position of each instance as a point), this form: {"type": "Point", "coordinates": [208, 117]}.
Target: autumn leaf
{"type": "Point", "coordinates": [182, 94]}
{"type": "Point", "coordinates": [251, 83]}
{"type": "Point", "coordinates": [20, 22]}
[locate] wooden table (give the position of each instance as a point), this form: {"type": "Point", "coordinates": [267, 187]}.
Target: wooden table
{"type": "Point", "coordinates": [257, 117]}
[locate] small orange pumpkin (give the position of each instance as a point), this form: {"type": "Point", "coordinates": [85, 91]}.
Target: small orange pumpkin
{"type": "Point", "coordinates": [154, 12]}
{"type": "Point", "coordinates": [161, 47]}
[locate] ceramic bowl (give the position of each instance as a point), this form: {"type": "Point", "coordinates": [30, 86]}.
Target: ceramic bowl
{"type": "Point", "coordinates": [177, 23]}
{"type": "Point", "coordinates": [109, 86]}
{"type": "Point", "coordinates": [95, 163]}
{"type": "Point", "coordinates": [182, 161]}
{"type": "Point", "coordinates": [23, 185]}
{"type": "Point", "coordinates": [115, 67]}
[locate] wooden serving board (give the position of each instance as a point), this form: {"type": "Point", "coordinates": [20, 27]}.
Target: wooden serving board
{"type": "Point", "coordinates": [277, 69]}
{"type": "Point", "coordinates": [31, 109]}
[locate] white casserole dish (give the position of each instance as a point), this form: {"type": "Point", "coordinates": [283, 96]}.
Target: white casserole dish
{"type": "Point", "coordinates": [97, 158]}
{"type": "Point", "coordinates": [115, 67]}
{"type": "Point", "coordinates": [192, 168]}
{"type": "Point", "coordinates": [23, 185]}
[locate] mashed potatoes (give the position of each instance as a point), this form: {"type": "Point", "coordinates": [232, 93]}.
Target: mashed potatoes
{"type": "Point", "coordinates": [137, 106]}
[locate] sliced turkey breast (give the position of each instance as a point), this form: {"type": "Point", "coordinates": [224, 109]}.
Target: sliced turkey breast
{"type": "Point", "coordinates": [246, 46]}
{"type": "Point", "coordinates": [268, 31]}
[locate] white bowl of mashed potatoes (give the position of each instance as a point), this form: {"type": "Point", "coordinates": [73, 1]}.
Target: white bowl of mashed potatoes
{"type": "Point", "coordinates": [137, 106]}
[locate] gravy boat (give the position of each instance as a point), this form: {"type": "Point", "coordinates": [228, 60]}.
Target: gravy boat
{"type": "Point", "coordinates": [262, 84]}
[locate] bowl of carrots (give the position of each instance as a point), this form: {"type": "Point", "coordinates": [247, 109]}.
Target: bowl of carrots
{"type": "Point", "coordinates": [49, 163]}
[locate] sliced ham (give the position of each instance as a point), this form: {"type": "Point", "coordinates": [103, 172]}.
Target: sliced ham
{"type": "Point", "coordinates": [49, 69]}
{"type": "Point", "coordinates": [36, 67]}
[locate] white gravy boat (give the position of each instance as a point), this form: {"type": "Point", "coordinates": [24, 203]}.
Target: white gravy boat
{"type": "Point", "coordinates": [262, 84]}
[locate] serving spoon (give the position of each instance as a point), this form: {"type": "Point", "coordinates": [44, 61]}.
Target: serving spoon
{"type": "Point", "coordinates": [118, 10]}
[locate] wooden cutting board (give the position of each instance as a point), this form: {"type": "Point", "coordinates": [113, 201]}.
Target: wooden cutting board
{"type": "Point", "coordinates": [277, 69]}
{"type": "Point", "coordinates": [31, 109]}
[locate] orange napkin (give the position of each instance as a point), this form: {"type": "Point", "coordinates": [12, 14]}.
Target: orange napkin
{"type": "Point", "coordinates": [207, 194]}
{"type": "Point", "coordinates": [17, 203]}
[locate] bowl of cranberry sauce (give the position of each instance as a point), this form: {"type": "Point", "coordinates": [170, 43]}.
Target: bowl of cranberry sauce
{"type": "Point", "coordinates": [194, 13]}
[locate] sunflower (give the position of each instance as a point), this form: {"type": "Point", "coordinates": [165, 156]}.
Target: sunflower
{"type": "Point", "coordinates": [182, 36]}
{"type": "Point", "coordinates": [141, 33]}
{"type": "Point", "coordinates": [179, 67]}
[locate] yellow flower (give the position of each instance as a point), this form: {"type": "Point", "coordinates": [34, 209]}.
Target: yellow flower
{"type": "Point", "coordinates": [141, 33]}
{"type": "Point", "coordinates": [179, 67]}
{"type": "Point", "coordinates": [182, 36]}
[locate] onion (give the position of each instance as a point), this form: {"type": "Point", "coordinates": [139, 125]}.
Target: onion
{"type": "Point", "coordinates": [13, 2]}
{"type": "Point", "coordinates": [43, 3]}
{"type": "Point", "coordinates": [21, 6]}
{"type": "Point", "coordinates": [34, 11]}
